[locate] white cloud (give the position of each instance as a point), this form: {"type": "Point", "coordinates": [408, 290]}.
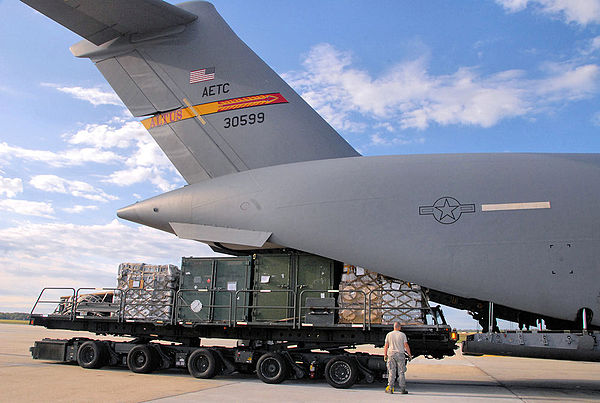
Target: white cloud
{"type": "Point", "coordinates": [106, 136]}
{"type": "Point", "coordinates": [56, 254]}
{"type": "Point", "coordinates": [128, 177]}
{"type": "Point", "coordinates": [568, 83]}
{"type": "Point", "coordinates": [590, 47]}
{"type": "Point", "coordinates": [67, 157]}
{"type": "Point", "coordinates": [27, 207]}
{"type": "Point", "coordinates": [386, 126]}
{"type": "Point", "coordinates": [513, 5]}
{"type": "Point", "coordinates": [145, 160]}
{"type": "Point", "coordinates": [95, 96]}
{"type": "Point", "coordinates": [79, 209]}
{"type": "Point", "coordinates": [581, 12]}
{"type": "Point", "coordinates": [378, 140]}
{"type": "Point", "coordinates": [10, 186]}
{"type": "Point", "coordinates": [123, 141]}
{"type": "Point", "coordinates": [332, 84]}
{"type": "Point", "coordinates": [53, 183]}
{"type": "Point", "coordinates": [147, 164]}
{"type": "Point", "coordinates": [409, 96]}
{"type": "Point", "coordinates": [139, 174]}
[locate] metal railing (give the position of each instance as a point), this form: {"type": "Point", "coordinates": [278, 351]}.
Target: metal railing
{"type": "Point", "coordinates": [64, 305]}
{"type": "Point", "coordinates": [181, 302]}
{"type": "Point", "coordinates": [254, 306]}
{"type": "Point", "coordinates": [349, 306]}
{"type": "Point", "coordinates": [101, 303]}
{"type": "Point", "coordinates": [123, 303]}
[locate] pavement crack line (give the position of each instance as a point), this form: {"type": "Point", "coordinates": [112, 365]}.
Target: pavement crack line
{"type": "Point", "coordinates": [16, 355]}
{"type": "Point", "coordinates": [187, 393]}
{"type": "Point", "coordinates": [496, 380]}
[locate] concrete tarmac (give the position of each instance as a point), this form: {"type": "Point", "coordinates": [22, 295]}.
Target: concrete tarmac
{"type": "Point", "coordinates": [458, 378]}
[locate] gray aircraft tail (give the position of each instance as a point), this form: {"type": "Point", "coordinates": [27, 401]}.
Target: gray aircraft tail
{"type": "Point", "coordinates": [211, 104]}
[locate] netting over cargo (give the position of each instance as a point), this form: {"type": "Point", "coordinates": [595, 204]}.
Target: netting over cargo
{"type": "Point", "coordinates": [148, 290]}
{"type": "Point", "coordinates": [390, 300]}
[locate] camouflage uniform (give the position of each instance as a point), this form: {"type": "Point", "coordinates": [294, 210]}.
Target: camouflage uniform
{"type": "Point", "coordinates": [396, 366]}
{"type": "Point", "coordinates": [396, 363]}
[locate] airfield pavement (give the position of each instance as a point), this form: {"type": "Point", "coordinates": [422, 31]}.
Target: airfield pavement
{"type": "Point", "coordinates": [458, 378]}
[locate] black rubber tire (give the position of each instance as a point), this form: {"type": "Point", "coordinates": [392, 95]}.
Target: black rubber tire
{"type": "Point", "coordinates": [271, 368]}
{"type": "Point", "coordinates": [202, 363]}
{"type": "Point", "coordinates": [142, 359]}
{"type": "Point", "coordinates": [341, 372]}
{"type": "Point", "coordinates": [91, 354]}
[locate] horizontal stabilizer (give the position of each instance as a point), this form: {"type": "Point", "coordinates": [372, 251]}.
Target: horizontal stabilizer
{"type": "Point", "coordinates": [208, 233]}
{"type": "Point", "coordinates": [99, 21]}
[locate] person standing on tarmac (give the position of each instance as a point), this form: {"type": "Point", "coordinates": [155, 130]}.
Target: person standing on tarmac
{"type": "Point", "coordinates": [396, 344]}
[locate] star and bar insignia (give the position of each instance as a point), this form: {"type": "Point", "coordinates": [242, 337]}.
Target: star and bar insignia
{"type": "Point", "coordinates": [447, 210]}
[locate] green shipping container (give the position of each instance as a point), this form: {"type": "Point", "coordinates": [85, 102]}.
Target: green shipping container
{"type": "Point", "coordinates": [208, 288]}
{"type": "Point", "coordinates": [231, 275]}
{"type": "Point", "coordinates": [287, 276]}
{"type": "Point", "coordinates": [194, 299]}
{"type": "Point", "coordinates": [314, 273]}
{"type": "Point", "coordinates": [273, 273]}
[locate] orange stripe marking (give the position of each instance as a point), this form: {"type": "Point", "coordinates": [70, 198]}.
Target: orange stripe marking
{"type": "Point", "coordinates": [162, 119]}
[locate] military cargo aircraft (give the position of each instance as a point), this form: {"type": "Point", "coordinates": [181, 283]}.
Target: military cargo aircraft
{"type": "Point", "coordinates": [264, 170]}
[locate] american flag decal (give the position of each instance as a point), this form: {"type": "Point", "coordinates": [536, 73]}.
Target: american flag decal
{"type": "Point", "coordinates": [197, 76]}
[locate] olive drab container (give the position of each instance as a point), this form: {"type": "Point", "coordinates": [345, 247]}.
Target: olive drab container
{"type": "Point", "coordinates": [210, 286]}
{"type": "Point", "coordinates": [278, 278]}
{"type": "Point", "coordinates": [263, 288]}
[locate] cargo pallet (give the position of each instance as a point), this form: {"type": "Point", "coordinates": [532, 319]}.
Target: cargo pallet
{"type": "Point", "coordinates": [308, 343]}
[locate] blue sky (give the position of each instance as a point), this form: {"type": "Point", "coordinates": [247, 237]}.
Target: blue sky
{"type": "Point", "coordinates": [392, 77]}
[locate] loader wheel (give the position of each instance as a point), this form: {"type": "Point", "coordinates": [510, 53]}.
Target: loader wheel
{"type": "Point", "coordinates": [142, 359]}
{"type": "Point", "coordinates": [271, 368]}
{"type": "Point", "coordinates": [91, 354]}
{"type": "Point", "coordinates": [202, 364]}
{"type": "Point", "coordinates": [341, 372]}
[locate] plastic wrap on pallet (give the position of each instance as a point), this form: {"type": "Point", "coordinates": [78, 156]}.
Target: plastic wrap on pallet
{"type": "Point", "coordinates": [148, 290]}
{"type": "Point", "coordinates": [401, 302]}
{"type": "Point", "coordinates": [355, 287]}
{"type": "Point", "coordinates": [391, 300]}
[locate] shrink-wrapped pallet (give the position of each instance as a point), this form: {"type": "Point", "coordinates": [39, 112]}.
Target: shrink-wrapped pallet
{"type": "Point", "coordinates": [147, 290]}
{"type": "Point", "coordinates": [387, 300]}
{"type": "Point", "coordinates": [400, 302]}
{"type": "Point", "coordinates": [355, 290]}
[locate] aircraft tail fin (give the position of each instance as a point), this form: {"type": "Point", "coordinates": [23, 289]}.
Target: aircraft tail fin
{"type": "Point", "coordinates": [211, 104]}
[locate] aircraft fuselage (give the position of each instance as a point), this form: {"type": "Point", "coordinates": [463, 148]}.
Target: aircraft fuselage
{"type": "Point", "coordinates": [521, 230]}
